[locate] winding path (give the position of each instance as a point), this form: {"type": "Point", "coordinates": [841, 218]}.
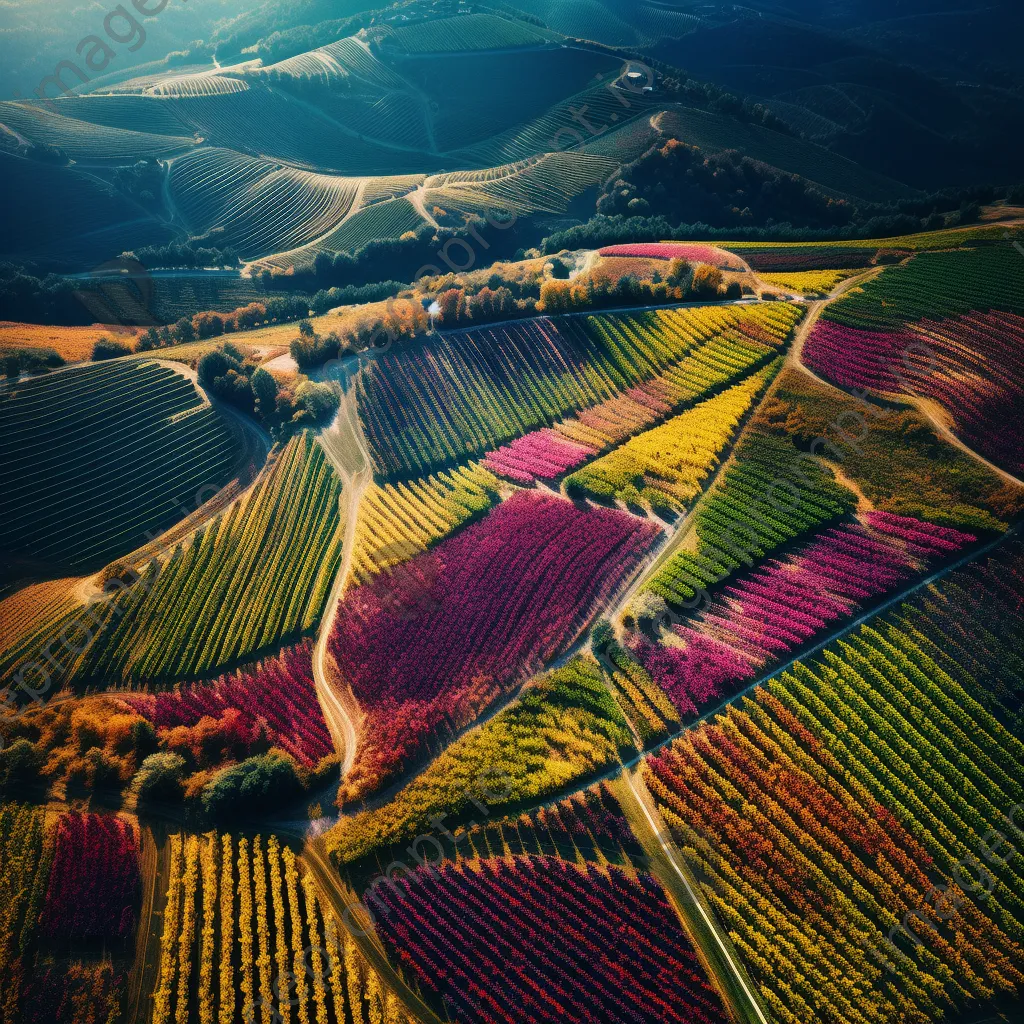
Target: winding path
{"type": "Point", "coordinates": [345, 446]}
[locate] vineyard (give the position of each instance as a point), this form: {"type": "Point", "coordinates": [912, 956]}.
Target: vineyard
{"type": "Point", "coordinates": [545, 184]}
{"type": "Point", "coordinates": [398, 521]}
{"type": "Point", "coordinates": [246, 936]}
{"type": "Point", "coordinates": [424, 408]}
{"type": "Point", "coordinates": [934, 285]}
{"type": "Point", "coordinates": [273, 701]}
{"type": "Point", "coordinates": [153, 446]}
{"type": "Point", "coordinates": [473, 32]}
{"type": "Point", "coordinates": [971, 365]}
{"type": "Point", "coordinates": [544, 931]}
{"type": "Point", "coordinates": [563, 727]}
{"type": "Point", "coordinates": [512, 513]}
{"type": "Point", "coordinates": [770, 494]}
{"type": "Point", "coordinates": [82, 140]}
{"type": "Point", "coordinates": [840, 807]}
{"type": "Point", "coordinates": [666, 467]}
{"type": "Point", "coordinates": [94, 879]}
{"type": "Point", "coordinates": [693, 253]}
{"type": "Point", "coordinates": [223, 190]}
{"type": "Point", "coordinates": [26, 858]}
{"type": "Point", "coordinates": [547, 453]}
{"type": "Point", "coordinates": [766, 614]}
{"type": "Point", "coordinates": [810, 283]}
{"type": "Point", "coordinates": [900, 464]}
{"type": "Point", "coordinates": [185, 617]}
{"type": "Point", "coordinates": [429, 645]}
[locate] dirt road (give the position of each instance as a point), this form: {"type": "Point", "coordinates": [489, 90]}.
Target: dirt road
{"type": "Point", "coordinates": [345, 447]}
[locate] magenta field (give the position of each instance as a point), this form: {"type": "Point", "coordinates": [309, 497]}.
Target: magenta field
{"type": "Point", "coordinates": [540, 940]}
{"type": "Point", "coordinates": [973, 366]}
{"type": "Point", "coordinates": [429, 647]}
{"type": "Point", "coordinates": [673, 251]}
{"type": "Point", "coordinates": [542, 454]}
{"type": "Point", "coordinates": [276, 698]}
{"type": "Point", "coordinates": [768, 613]}
{"type": "Point", "coordinates": [94, 881]}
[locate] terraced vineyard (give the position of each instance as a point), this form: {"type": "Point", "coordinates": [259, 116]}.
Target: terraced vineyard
{"type": "Point", "coordinates": [474, 32]}
{"type": "Point", "coordinates": [153, 445]}
{"type": "Point", "coordinates": [82, 140]}
{"type": "Point", "coordinates": [217, 188]}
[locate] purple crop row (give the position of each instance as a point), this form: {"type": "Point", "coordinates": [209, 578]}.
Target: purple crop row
{"type": "Point", "coordinates": [972, 365]}
{"type": "Point", "coordinates": [430, 646]}
{"type": "Point", "coordinates": [93, 890]}
{"type": "Point", "coordinates": [539, 940]}
{"type": "Point", "coordinates": [784, 604]}
{"type": "Point", "coordinates": [542, 454]}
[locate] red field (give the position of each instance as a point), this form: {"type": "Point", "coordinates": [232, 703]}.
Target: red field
{"type": "Point", "coordinates": [428, 647]}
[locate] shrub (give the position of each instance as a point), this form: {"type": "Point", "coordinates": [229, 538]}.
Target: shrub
{"type": "Point", "coordinates": [255, 785]}
{"type": "Point", "coordinates": [159, 778]}
{"type": "Point", "coordinates": [107, 348]}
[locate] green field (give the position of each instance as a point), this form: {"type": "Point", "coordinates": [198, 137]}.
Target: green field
{"type": "Point", "coordinates": [99, 458]}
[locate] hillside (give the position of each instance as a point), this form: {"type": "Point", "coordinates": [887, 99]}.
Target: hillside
{"type": "Point", "coordinates": [510, 513]}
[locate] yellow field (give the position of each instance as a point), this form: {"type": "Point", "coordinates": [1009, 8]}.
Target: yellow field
{"type": "Point", "coordinates": [811, 283]}
{"type": "Point", "coordinates": [73, 344]}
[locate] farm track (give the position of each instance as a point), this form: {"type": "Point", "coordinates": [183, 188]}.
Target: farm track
{"type": "Point", "coordinates": [711, 941]}
{"type": "Point", "coordinates": [346, 448]}
{"type": "Point", "coordinates": [316, 861]}
{"type": "Point", "coordinates": [155, 863]}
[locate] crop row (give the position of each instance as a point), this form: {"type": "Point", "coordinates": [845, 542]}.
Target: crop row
{"type": "Point", "coordinates": [246, 937]}
{"type": "Point", "coordinates": [589, 824]}
{"type": "Point", "coordinates": [74, 992]}
{"type": "Point", "coordinates": [469, 32]}
{"type": "Point", "coordinates": [666, 467]}
{"type": "Point", "coordinates": [564, 726]}
{"type": "Point", "coordinates": [99, 457]}
{"type": "Point", "coordinates": [25, 856]}
{"type": "Point", "coordinates": [972, 365]}
{"type": "Point", "coordinates": [840, 822]}
{"type": "Point", "coordinates": [765, 614]}
{"type": "Point", "coordinates": [429, 645]}
{"type": "Point", "coordinates": [771, 494]}
{"type": "Point", "coordinates": [810, 283]}
{"type": "Point", "coordinates": [546, 185]}
{"type": "Point", "coordinates": [268, 121]}
{"type": "Point", "coordinates": [274, 701]}
{"type": "Point", "coordinates": [400, 520]}
{"type": "Point", "coordinates": [258, 207]}
{"type": "Point", "coordinates": [554, 941]}
{"type": "Point", "coordinates": [934, 285]}
{"type": "Point", "coordinates": [723, 358]}
{"type": "Point", "coordinates": [429, 406]}
{"type": "Point", "coordinates": [693, 252]}
{"type": "Point", "coordinates": [81, 140]}
{"type": "Point", "coordinates": [94, 882]}
{"type": "Point", "coordinates": [804, 258]}
{"type": "Point", "coordinates": [254, 577]}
